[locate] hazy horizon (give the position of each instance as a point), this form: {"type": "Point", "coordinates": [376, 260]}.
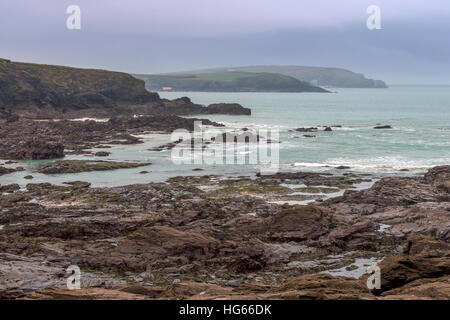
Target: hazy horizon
{"type": "Point", "coordinates": [158, 36]}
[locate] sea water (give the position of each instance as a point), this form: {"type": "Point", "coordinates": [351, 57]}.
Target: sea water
{"type": "Point", "coordinates": [419, 138]}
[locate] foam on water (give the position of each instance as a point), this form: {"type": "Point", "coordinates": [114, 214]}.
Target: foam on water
{"type": "Point", "coordinates": [420, 137]}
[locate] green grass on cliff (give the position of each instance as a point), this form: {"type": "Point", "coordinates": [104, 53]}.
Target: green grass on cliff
{"type": "Point", "coordinates": [42, 86]}
{"type": "Point", "coordinates": [225, 76]}
{"type": "Point", "coordinates": [228, 82]}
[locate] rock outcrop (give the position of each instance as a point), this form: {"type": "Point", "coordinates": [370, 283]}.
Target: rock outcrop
{"type": "Point", "coordinates": [37, 140]}
{"type": "Point", "coordinates": [320, 287]}
{"type": "Point", "coordinates": [210, 237]}
{"type": "Point", "coordinates": [34, 149]}
{"type": "Point", "coordinates": [300, 223]}
{"type": "Point", "coordinates": [26, 85]}
{"type": "Point", "coordinates": [75, 166]}
{"type": "Point", "coordinates": [227, 108]}
{"type": "Point", "coordinates": [55, 92]}
{"type": "Point", "coordinates": [423, 258]}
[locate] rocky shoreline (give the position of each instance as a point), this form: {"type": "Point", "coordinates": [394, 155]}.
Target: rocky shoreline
{"type": "Point", "coordinates": [37, 140]}
{"type": "Point", "coordinates": [290, 235]}
{"type": "Point", "coordinates": [215, 237]}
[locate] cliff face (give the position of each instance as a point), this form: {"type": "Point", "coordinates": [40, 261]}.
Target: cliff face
{"type": "Point", "coordinates": [319, 76]}
{"type": "Point", "coordinates": [53, 92]}
{"type": "Point", "coordinates": [25, 85]}
{"type": "Point", "coordinates": [333, 77]}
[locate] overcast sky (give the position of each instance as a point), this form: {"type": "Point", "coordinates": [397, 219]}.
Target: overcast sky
{"type": "Point", "coordinates": [154, 36]}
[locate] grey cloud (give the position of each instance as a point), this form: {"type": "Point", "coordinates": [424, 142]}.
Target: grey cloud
{"type": "Point", "coordinates": [174, 35]}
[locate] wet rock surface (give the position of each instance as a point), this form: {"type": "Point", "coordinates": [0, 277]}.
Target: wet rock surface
{"type": "Point", "coordinates": [74, 166]}
{"type": "Point", "coordinates": [383, 127]}
{"type": "Point", "coordinates": [36, 149]}
{"type": "Point", "coordinates": [212, 237]}
{"type": "Point", "coordinates": [227, 108]}
{"type": "Point", "coordinates": [4, 170]}
{"type": "Point", "coordinates": [54, 139]}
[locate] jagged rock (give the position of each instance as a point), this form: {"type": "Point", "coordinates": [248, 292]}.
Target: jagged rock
{"type": "Point", "coordinates": [320, 287]}
{"type": "Point", "coordinates": [152, 246]}
{"type": "Point", "coordinates": [357, 235]}
{"type": "Point", "coordinates": [4, 170]}
{"type": "Point", "coordinates": [168, 241]}
{"type": "Point", "coordinates": [435, 289]}
{"type": "Point", "coordinates": [74, 166]}
{"type": "Point", "coordinates": [193, 290]}
{"type": "Point", "coordinates": [63, 293]}
{"type": "Point", "coordinates": [233, 137]}
{"type": "Point", "coordinates": [52, 137]}
{"type": "Point", "coordinates": [9, 188]}
{"type": "Point", "coordinates": [424, 257]}
{"type": "Point", "coordinates": [432, 219]}
{"type": "Point", "coordinates": [426, 247]}
{"type": "Point", "coordinates": [165, 123]}
{"type": "Point", "coordinates": [36, 149]}
{"type": "Point", "coordinates": [78, 184]}
{"type": "Point", "coordinates": [311, 129]}
{"type": "Point", "coordinates": [227, 108]}
{"type": "Point", "coordinates": [396, 191]}
{"type": "Point", "coordinates": [20, 275]}
{"type": "Point", "coordinates": [439, 177]}
{"type": "Point", "coordinates": [300, 223]}
{"type": "Point", "coordinates": [13, 199]}
{"type": "Point", "coordinates": [102, 154]}
{"type": "Point", "coordinates": [184, 230]}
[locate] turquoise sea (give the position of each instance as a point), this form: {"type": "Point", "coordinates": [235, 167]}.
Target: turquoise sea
{"type": "Point", "coordinates": [420, 138]}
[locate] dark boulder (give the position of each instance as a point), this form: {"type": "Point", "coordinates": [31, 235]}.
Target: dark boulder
{"type": "Point", "coordinates": [37, 149]}
{"type": "Point", "coordinates": [102, 154]}
{"type": "Point", "coordinates": [227, 108]}
{"type": "Point", "coordinates": [312, 129]}
{"type": "Point", "coordinates": [423, 257]}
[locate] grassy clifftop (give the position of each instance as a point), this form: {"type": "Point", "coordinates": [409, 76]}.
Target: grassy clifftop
{"type": "Point", "coordinates": [26, 85]}
{"type": "Point", "coordinates": [228, 82]}
{"type": "Point", "coordinates": [331, 77]}
{"type": "Point", "coordinates": [334, 77]}
{"type": "Point", "coordinates": [318, 76]}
